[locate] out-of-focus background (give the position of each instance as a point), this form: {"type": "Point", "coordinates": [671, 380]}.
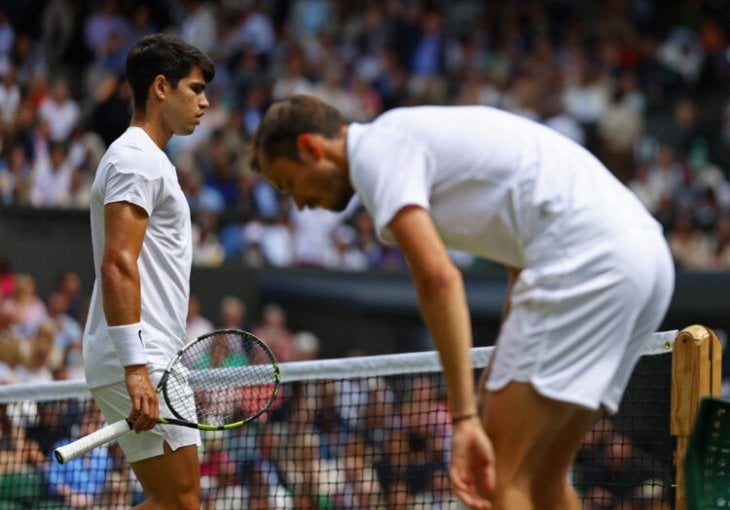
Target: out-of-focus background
{"type": "Point", "coordinates": [643, 84]}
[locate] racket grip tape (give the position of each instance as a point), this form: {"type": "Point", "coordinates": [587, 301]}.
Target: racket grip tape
{"type": "Point", "coordinates": [87, 443]}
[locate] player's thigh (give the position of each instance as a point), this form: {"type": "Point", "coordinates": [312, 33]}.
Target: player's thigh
{"type": "Point", "coordinates": [524, 427]}
{"type": "Point", "coordinates": [170, 476]}
{"type": "Point", "coordinates": [559, 456]}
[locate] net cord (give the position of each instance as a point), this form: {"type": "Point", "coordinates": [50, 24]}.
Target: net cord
{"type": "Point", "coordinates": [340, 368]}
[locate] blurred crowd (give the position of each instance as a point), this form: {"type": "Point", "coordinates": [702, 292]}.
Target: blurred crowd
{"type": "Point", "coordinates": [41, 337]}
{"type": "Point", "coordinates": [375, 442]}
{"type": "Point", "coordinates": [641, 83]}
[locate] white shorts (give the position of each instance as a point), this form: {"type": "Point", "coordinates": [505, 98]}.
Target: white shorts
{"type": "Point", "coordinates": [578, 325]}
{"type": "Point", "coordinates": [114, 402]}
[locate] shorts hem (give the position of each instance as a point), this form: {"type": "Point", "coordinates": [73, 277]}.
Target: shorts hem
{"type": "Point", "coordinates": [590, 404]}
{"type": "Point", "coordinates": [157, 451]}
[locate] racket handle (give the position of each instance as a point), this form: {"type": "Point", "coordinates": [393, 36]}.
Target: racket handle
{"type": "Point", "coordinates": [87, 443]}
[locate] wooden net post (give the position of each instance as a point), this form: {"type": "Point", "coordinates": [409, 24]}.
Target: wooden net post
{"type": "Point", "coordinates": [696, 373]}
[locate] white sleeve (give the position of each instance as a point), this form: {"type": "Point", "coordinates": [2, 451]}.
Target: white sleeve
{"type": "Point", "coordinates": [124, 185]}
{"type": "Point", "coordinates": [389, 171]}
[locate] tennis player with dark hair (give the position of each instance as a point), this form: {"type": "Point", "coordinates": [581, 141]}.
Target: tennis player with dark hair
{"type": "Point", "coordinates": [590, 274]}
{"type": "Point", "coordinates": [141, 237]}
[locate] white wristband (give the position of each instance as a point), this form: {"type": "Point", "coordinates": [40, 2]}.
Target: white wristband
{"type": "Point", "coordinates": [127, 340]}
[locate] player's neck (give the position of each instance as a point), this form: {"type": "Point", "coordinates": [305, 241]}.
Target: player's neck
{"type": "Point", "coordinates": [154, 129]}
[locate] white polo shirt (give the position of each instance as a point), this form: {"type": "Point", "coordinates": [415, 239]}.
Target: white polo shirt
{"type": "Point", "coordinates": [497, 185]}
{"type": "Point", "coordinates": [135, 170]}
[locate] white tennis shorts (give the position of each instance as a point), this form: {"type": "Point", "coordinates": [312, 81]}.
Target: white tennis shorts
{"type": "Point", "coordinates": [579, 322]}
{"type": "Point", "coordinates": [114, 402]}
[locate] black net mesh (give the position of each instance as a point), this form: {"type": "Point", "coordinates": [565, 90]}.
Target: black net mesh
{"type": "Point", "coordinates": [365, 442]}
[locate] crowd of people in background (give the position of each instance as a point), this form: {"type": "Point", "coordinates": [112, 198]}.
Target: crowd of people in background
{"type": "Point", "coordinates": [40, 337]}
{"type": "Point", "coordinates": [640, 83]}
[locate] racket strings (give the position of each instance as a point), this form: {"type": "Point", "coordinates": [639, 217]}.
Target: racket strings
{"type": "Point", "coordinates": [221, 379]}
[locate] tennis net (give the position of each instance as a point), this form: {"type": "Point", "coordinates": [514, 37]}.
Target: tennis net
{"type": "Point", "coordinates": [362, 432]}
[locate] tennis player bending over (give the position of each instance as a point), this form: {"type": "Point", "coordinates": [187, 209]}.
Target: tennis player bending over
{"type": "Point", "coordinates": [591, 276]}
{"type": "Point", "coordinates": [141, 238]}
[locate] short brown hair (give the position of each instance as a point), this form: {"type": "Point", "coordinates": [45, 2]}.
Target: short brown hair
{"type": "Point", "coordinates": [286, 119]}
{"type": "Point", "coordinates": [164, 54]}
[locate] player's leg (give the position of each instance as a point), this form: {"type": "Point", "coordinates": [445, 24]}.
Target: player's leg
{"type": "Point", "coordinates": [170, 480]}
{"type": "Point", "coordinates": [525, 427]}
{"type": "Point", "coordinates": [171, 450]}
{"type": "Point", "coordinates": [552, 489]}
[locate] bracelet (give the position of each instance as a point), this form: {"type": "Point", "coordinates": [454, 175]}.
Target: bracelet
{"type": "Point", "coordinates": [463, 417]}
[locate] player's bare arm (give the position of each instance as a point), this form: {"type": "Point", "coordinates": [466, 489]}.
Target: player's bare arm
{"type": "Point", "coordinates": [442, 298]}
{"type": "Point", "coordinates": [125, 225]}
{"type": "Point", "coordinates": [443, 301]}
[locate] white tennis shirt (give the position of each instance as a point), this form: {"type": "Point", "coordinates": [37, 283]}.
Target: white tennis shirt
{"type": "Point", "coordinates": [135, 170]}
{"type": "Point", "coordinates": [495, 184]}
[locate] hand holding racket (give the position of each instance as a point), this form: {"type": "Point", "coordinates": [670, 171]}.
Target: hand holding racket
{"type": "Point", "coordinates": [219, 381]}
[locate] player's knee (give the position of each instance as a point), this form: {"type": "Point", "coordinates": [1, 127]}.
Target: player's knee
{"type": "Point", "coordinates": [185, 496]}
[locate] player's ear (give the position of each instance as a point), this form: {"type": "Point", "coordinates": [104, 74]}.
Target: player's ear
{"type": "Point", "coordinates": [310, 146]}
{"type": "Point", "coordinates": [158, 86]}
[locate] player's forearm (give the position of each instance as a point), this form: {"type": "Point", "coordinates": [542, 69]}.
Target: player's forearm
{"type": "Point", "coordinates": [121, 291]}
{"type": "Point", "coordinates": [445, 310]}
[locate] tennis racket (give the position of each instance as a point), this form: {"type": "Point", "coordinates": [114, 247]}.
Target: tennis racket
{"type": "Point", "coordinates": [219, 381]}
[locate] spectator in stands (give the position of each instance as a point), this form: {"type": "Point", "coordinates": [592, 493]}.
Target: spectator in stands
{"type": "Point", "coordinates": [307, 346]}
{"type": "Point", "coordinates": [360, 487]}
{"type": "Point", "coordinates": [619, 465]}
{"type": "Point", "coordinates": [111, 107]}
{"type": "Point", "coordinates": [30, 308]}
{"type": "Point", "coordinates": [233, 313]}
{"type": "Point", "coordinates": [79, 191]}
{"type": "Point", "coordinates": [16, 180]}
{"type": "Point", "coordinates": [196, 324]}
{"type": "Point", "coordinates": [68, 330]}
{"type": "Point", "coordinates": [17, 453]}
{"type": "Point", "coordinates": [52, 177]}
{"type": "Point", "coordinates": [60, 110]}
{"type": "Point", "coordinates": [41, 356]}
{"type": "Point", "coordinates": [313, 478]}
{"type": "Point", "coordinates": [7, 40]}
{"type": "Point", "coordinates": [103, 22]}
{"type": "Point", "coordinates": [660, 181]}
{"type": "Point", "coordinates": [691, 247]}
{"type": "Point", "coordinates": [313, 241]}
{"type": "Point", "coordinates": [69, 286]}
{"type": "Point", "coordinates": [218, 473]}
{"type": "Point", "coordinates": [201, 196]}
{"type": "Point", "coordinates": [9, 99]}
{"type": "Point", "coordinates": [721, 251]}
{"type": "Point", "coordinates": [80, 488]}
{"type": "Point", "coordinates": [207, 249]}
{"type": "Point", "coordinates": [273, 329]}
{"type": "Point", "coordinates": [118, 492]}
{"type": "Point", "coordinates": [198, 27]}
{"type": "Point", "coordinates": [73, 362]}
{"type": "Point", "coordinates": [53, 422]}
{"type": "Point", "coordinates": [267, 478]}
{"type": "Point", "coordinates": [11, 343]}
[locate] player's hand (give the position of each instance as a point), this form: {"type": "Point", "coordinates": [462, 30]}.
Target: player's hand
{"type": "Point", "coordinates": [145, 409]}
{"type": "Point", "coordinates": [472, 464]}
